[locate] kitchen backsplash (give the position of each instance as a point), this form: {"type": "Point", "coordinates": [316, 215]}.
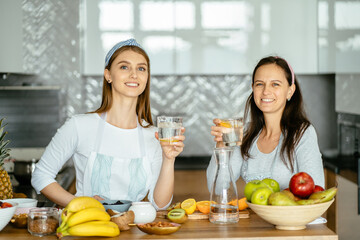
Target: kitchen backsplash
{"type": "Point", "coordinates": [54, 55]}
{"type": "Point", "coordinates": [199, 99]}
{"type": "Point", "coordinates": [31, 115]}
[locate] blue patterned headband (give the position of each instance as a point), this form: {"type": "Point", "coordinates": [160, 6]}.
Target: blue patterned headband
{"type": "Point", "coordinates": [129, 42]}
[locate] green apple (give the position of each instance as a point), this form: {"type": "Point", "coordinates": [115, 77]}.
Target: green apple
{"type": "Point", "coordinates": [271, 183]}
{"type": "Point", "coordinates": [251, 186]}
{"type": "Point", "coordinates": [261, 196]}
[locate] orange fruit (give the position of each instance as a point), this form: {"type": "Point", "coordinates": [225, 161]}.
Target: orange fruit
{"type": "Point", "coordinates": [225, 124]}
{"type": "Point", "coordinates": [241, 203]}
{"type": "Point", "coordinates": [203, 206]}
{"type": "Point", "coordinates": [189, 205]}
{"type": "Point", "coordinates": [232, 202]}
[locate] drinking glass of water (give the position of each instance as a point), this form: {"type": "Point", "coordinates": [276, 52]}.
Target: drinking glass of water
{"type": "Point", "coordinates": [168, 128]}
{"type": "Point", "coordinates": [232, 129]}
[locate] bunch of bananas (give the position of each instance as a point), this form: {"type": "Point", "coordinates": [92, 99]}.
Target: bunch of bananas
{"type": "Point", "coordinates": [85, 216]}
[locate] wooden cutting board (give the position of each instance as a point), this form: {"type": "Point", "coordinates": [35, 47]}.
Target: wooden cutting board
{"type": "Point", "coordinates": [200, 216]}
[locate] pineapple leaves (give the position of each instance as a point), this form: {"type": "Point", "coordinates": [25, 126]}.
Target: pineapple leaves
{"type": "Point", "coordinates": [4, 152]}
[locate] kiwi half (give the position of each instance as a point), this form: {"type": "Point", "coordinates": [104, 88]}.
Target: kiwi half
{"type": "Point", "coordinates": [177, 215]}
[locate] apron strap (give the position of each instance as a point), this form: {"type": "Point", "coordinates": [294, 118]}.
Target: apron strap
{"type": "Point", "coordinates": [141, 140]}
{"type": "Point", "coordinates": [100, 131]}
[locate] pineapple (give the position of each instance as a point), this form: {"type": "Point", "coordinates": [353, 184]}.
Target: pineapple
{"type": "Point", "coordinates": [5, 184]}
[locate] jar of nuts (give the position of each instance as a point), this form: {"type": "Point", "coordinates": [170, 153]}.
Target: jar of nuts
{"type": "Point", "coordinates": [43, 221]}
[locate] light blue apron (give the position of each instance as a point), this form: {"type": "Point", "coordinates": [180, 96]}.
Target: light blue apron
{"type": "Point", "coordinates": [113, 177]}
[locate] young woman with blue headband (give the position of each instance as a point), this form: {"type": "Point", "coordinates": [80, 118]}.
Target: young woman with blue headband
{"type": "Point", "coordinates": [115, 149]}
{"type": "Point", "coordinates": [278, 140]}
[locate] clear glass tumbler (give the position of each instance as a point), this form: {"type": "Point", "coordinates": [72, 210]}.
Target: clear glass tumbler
{"type": "Point", "coordinates": [223, 195]}
{"type": "Point", "coordinates": [232, 129]}
{"type": "Point", "coordinates": [168, 128]}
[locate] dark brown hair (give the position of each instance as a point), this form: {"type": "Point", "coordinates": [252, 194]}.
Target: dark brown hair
{"type": "Point", "coordinates": [143, 103]}
{"type": "Point", "coordinates": [293, 123]}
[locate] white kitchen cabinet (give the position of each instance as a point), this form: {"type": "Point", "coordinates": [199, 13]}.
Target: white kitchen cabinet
{"type": "Point", "coordinates": [11, 58]}
{"type": "Point", "coordinates": [339, 36]}
{"type": "Point", "coordinates": [106, 23]}
{"type": "Point", "coordinates": [347, 87]}
{"type": "Point", "coordinates": [203, 36]}
{"type": "Point", "coordinates": [230, 37]}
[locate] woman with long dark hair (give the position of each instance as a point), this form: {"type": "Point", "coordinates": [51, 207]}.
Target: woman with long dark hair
{"type": "Point", "coordinates": [115, 148]}
{"type": "Point", "coordinates": [278, 140]}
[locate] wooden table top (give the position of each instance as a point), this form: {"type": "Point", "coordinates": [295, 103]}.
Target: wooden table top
{"type": "Point", "coordinates": [247, 228]}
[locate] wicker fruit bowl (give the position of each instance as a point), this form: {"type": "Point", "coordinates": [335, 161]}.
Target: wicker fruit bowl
{"type": "Point", "coordinates": [290, 217]}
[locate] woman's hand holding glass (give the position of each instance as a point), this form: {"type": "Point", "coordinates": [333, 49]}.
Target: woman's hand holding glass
{"type": "Point", "coordinates": [227, 132]}
{"type": "Point", "coordinates": [171, 149]}
{"type": "Point", "coordinates": [217, 132]}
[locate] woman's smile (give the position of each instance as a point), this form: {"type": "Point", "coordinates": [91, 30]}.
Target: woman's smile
{"type": "Point", "coordinates": [132, 84]}
{"type": "Point", "coordinates": [267, 100]}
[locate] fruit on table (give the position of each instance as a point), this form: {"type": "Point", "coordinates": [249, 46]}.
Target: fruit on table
{"type": "Point", "coordinates": [5, 204]}
{"type": "Point", "coordinates": [271, 183]}
{"type": "Point", "coordinates": [302, 185]}
{"type": "Point", "coordinates": [307, 201]}
{"type": "Point", "coordinates": [20, 220]}
{"type": "Point", "coordinates": [85, 216]}
{"type": "Point", "coordinates": [123, 220]}
{"type": "Point", "coordinates": [318, 188]}
{"type": "Point", "coordinates": [241, 203]}
{"type": "Point", "coordinates": [203, 206]}
{"type": "Point", "coordinates": [77, 204]}
{"type": "Point", "coordinates": [93, 228]}
{"type": "Point", "coordinates": [251, 186]}
{"type": "Point", "coordinates": [261, 195]}
{"type": "Point", "coordinates": [80, 203]}
{"type": "Point", "coordinates": [281, 199]}
{"type": "Point", "coordinates": [19, 195]}
{"type": "Point", "coordinates": [6, 191]}
{"type": "Point", "coordinates": [290, 194]}
{"type": "Point", "coordinates": [325, 195]}
{"type": "Point", "coordinates": [177, 215]}
{"type": "Point", "coordinates": [174, 206]}
{"type": "Point", "coordinates": [189, 205]}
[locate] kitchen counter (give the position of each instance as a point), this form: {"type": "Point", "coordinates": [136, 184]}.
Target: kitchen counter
{"type": "Point", "coordinates": [249, 228]}
{"type": "Point", "coordinates": [345, 166]}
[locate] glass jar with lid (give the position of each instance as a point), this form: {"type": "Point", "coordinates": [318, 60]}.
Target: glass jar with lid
{"type": "Point", "coordinates": [43, 221]}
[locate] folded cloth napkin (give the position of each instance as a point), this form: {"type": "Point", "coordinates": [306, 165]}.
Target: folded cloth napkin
{"type": "Point", "coordinates": [318, 221]}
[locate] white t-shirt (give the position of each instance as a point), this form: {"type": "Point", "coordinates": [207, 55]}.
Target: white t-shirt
{"type": "Point", "coordinates": [260, 165]}
{"type": "Point", "coordinates": [76, 139]}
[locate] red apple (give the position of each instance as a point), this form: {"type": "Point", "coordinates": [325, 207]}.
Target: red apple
{"type": "Point", "coordinates": [302, 185]}
{"type": "Point", "coordinates": [318, 188]}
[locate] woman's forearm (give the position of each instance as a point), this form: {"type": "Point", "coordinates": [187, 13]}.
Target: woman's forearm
{"type": "Point", "coordinates": [165, 184]}
{"type": "Point", "coordinates": [55, 193]}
